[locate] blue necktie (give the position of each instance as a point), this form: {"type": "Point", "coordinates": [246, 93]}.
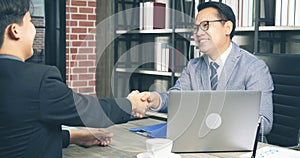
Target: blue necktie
{"type": "Point", "coordinates": [213, 75]}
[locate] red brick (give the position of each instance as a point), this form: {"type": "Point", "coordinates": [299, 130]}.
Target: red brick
{"type": "Point", "coordinates": [71, 23]}
{"type": "Point", "coordinates": [72, 64]}
{"type": "Point", "coordinates": [86, 50]}
{"type": "Point", "coordinates": [92, 83]}
{"type": "Point", "coordinates": [92, 4]}
{"type": "Point", "coordinates": [92, 30]}
{"type": "Point", "coordinates": [86, 77]}
{"type": "Point", "coordinates": [72, 37]}
{"type": "Point", "coordinates": [78, 3]}
{"type": "Point", "coordinates": [92, 57]}
{"type": "Point", "coordinates": [86, 90]}
{"type": "Point", "coordinates": [86, 63]}
{"type": "Point", "coordinates": [92, 43]}
{"type": "Point", "coordinates": [79, 17]}
{"type": "Point", "coordinates": [91, 17]}
{"type": "Point", "coordinates": [73, 50]}
{"type": "Point", "coordinates": [87, 23]}
{"type": "Point", "coordinates": [80, 70]}
{"type": "Point", "coordinates": [86, 10]}
{"type": "Point", "coordinates": [79, 43]}
{"type": "Point", "coordinates": [73, 77]}
{"type": "Point", "coordinates": [87, 37]}
{"type": "Point", "coordinates": [72, 9]}
{"type": "Point", "coordinates": [79, 30]}
{"type": "Point", "coordinates": [79, 84]}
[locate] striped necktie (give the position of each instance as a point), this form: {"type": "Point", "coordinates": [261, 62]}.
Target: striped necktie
{"type": "Point", "coordinates": [213, 75]}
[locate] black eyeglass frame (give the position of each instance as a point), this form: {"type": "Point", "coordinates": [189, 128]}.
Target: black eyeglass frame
{"type": "Point", "coordinates": [206, 22]}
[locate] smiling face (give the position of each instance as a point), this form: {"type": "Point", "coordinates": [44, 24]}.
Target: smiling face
{"type": "Point", "coordinates": [216, 39]}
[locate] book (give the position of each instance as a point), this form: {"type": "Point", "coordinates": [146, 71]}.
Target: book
{"type": "Point", "coordinates": [162, 57]}
{"type": "Point", "coordinates": [245, 12]}
{"type": "Point", "coordinates": [297, 12]}
{"type": "Point", "coordinates": [240, 13]}
{"type": "Point", "coordinates": [278, 13]}
{"type": "Point", "coordinates": [154, 15]}
{"type": "Point", "coordinates": [291, 13]}
{"type": "Point", "coordinates": [161, 53]}
{"type": "Point", "coordinates": [284, 13]}
{"type": "Point", "coordinates": [141, 16]}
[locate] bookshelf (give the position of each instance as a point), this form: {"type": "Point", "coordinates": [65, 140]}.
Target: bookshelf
{"type": "Point", "coordinates": [268, 33]}
{"type": "Point", "coordinates": [134, 48]}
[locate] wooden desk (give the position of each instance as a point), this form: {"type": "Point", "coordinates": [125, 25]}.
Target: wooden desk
{"type": "Point", "coordinates": [126, 144]}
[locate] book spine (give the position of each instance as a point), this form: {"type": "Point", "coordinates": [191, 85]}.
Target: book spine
{"type": "Point", "coordinates": [278, 13]}
{"type": "Point", "coordinates": [159, 15]}
{"type": "Point", "coordinates": [141, 16]}
{"type": "Point", "coordinates": [297, 13]}
{"type": "Point", "coordinates": [291, 13]}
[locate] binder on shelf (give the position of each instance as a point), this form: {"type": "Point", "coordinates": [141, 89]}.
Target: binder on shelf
{"type": "Point", "coordinates": [297, 12]}
{"type": "Point", "coordinates": [291, 13]}
{"type": "Point", "coordinates": [278, 13]}
{"type": "Point", "coordinates": [141, 16]}
{"type": "Point", "coordinates": [162, 54]}
{"type": "Point", "coordinates": [284, 13]}
{"type": "Point", "coordinates": [153, 15]}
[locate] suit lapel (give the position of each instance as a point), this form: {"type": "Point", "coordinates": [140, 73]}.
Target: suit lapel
{"type": "Point", "coordinates": [204, 75]}
{"type": "Point", "coordinates": [229, 65]}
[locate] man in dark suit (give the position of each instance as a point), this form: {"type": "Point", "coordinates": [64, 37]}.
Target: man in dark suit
{"type": "Point", "coordinates": [34, 102]}
{"type": "Point", "coordinates": [236, 69]}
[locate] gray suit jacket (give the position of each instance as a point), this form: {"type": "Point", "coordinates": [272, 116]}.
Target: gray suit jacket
{"type": "Point", "coordinates": [241, 71]}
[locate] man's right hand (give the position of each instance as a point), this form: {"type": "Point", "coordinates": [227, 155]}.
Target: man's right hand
{"type": "Point", "coordinates": [139, 107]}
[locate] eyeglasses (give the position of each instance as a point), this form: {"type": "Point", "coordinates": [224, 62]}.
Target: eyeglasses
{"type": "Point", "coordinates": [204, 25]}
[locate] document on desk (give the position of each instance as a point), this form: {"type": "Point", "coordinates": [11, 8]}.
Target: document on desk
{"type": "Point", "coordinates": [152, 131]}
{"type": "Point", "coordinates": [273, 152]}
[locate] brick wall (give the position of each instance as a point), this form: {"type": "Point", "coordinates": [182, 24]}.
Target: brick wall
{"type": "Point", "coordinates": [81, 45]}
{"type": "Point", "coordinates": [39, 23]}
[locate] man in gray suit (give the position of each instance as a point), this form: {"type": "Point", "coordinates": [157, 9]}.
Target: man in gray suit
{"type": "Point", "coordinates": [235, 69]}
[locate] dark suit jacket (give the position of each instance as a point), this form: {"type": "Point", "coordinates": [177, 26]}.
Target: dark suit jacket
{"type": "Point", "coordinates": [34, 103]}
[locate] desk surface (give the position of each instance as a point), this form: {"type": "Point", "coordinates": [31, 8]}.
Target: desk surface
{"type": "Point", "coordinates": [127, 144]}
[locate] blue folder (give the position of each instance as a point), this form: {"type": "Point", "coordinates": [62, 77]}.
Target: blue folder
{"type": "Point", "coordinates": [153, 131]}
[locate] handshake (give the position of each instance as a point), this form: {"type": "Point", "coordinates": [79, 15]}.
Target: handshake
{"type": "Point", "coordinates": [142, 101]}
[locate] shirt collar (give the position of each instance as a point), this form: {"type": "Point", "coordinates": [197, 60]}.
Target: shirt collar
{"type": "Point", "coordinates": [4, 56]}
{"type": "Point", "coordinates": [222, 58]}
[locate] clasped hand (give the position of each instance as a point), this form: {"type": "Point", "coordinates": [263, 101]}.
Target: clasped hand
{"type": "Point", "coordinates": [141, 102]}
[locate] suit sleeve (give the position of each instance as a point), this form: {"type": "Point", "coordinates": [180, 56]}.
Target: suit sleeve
{"type": "Point", "coordinates": [65, 138]}
{"type": "Point", "coordinates": [183, 83]}
{"type": "Point", "coordinates": [59, 105]}
{"type": "Point", "coordinates": [259, 78]}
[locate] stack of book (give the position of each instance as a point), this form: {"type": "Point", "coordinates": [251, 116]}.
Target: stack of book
{"type": "Point", "coordinates": [286, 11]}
{"type": "Point", "coordinates": [152, 15]}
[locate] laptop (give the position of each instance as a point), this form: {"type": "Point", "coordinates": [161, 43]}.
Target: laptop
{"type": "Point", "coordinates": [213, 121]}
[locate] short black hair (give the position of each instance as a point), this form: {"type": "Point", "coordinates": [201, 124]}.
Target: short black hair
{"type": "Point", "coordinates": [225, 12]}
{"type": "Point", "coordinates": [11, 11]}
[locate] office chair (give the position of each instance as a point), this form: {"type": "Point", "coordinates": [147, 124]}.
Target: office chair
{"type": "Point", "coordinates": [285, 71]}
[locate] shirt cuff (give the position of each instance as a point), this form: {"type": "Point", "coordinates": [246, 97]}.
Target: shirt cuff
{"type": "Point", "coordinates": [160, 104]}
